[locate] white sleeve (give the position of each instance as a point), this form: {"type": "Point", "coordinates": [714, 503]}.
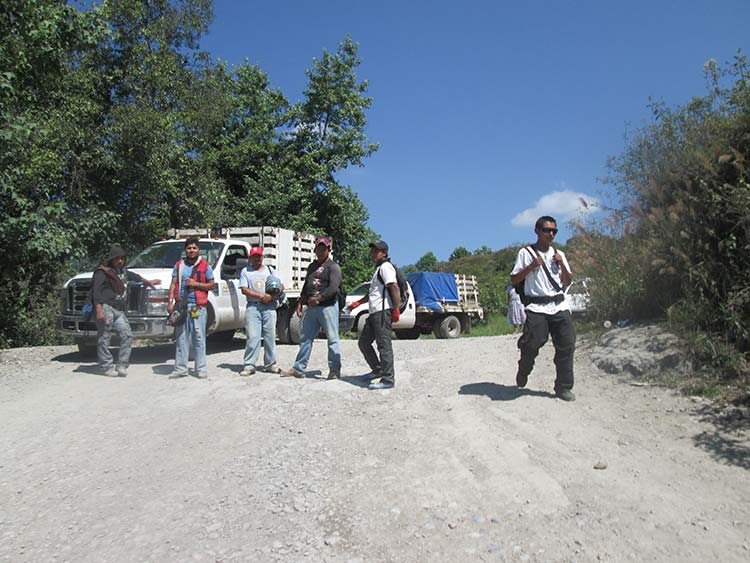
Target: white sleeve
{"type": "Point", "coordinates": [523, 259]}
{"type": "Point", "coordinates": [388, 273]}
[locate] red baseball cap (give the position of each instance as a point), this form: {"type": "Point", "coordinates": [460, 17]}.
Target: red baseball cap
{"type": "Point", "coordinates": [326, 241]}
{"type": "Point", "coordinates": [256, 250]}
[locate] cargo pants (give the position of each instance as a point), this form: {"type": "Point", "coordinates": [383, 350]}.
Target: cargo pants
{"type": "Point", "coordinates": [536, 331]}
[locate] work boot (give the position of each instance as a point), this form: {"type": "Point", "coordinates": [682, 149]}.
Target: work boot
{"type": "Point", "coordinates": [111, 372]}
{"type": "Point", "coordinates": [565, 395]}
{"type": "Point", "coordinates": [334, 374]}
{"type": "Point", "coordinates": [521, 379]}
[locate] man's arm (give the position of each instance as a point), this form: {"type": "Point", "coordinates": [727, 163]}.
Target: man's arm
{"type": "Point", "coordinates": [96, 294]}
{"type": "Point", "coordinates": [566, 276]}
{"type": "Point", "coordinates": [395, 295]}
{"type": "Point", "coordinates": [172, 294]}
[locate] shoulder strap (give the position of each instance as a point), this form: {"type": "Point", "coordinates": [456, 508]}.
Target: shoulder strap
{"type": "Point", "coordinates": [546, 271]}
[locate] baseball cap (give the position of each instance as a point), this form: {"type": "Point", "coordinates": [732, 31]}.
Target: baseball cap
{"type": "Point", "coordinates": [256, 250]}
{"type": "Point", "coordinates": [116, 251]}
{"type": "Point", "coordinates": [323, 240]}
{"type": "Point", "coordinates": [379, 245]}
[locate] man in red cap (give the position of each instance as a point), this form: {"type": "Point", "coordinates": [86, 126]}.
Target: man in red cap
{"type": "Point", "coordinates": [260, 315]}
{"type": "Point", "coordinates": [320, 294]}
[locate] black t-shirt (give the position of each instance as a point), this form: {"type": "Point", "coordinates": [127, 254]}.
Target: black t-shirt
{"type": "Point", "coordinates": [323, 280]}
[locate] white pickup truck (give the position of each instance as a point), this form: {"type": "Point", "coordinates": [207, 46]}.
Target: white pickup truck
{"type": "Point", "coordinates": [442, 303]}
{"type": "Point", "coordinates": [288, 252]}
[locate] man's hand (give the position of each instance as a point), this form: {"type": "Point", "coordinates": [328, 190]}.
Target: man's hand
{"type": "Point", "coordinates": [266, 298]}
{"type": "Point", "coordinates": [100, 313]}
{"type": "Point", "coordinates": [299, 308]}
{"type": "Point", "coordinates": [152, 283]}
{"type": "Point", "coordinates": [538, 261]}
{"type": "Point", "coordinates": [190, 282]}
{"type": "Point", "coordinates": [313, 301]}
{"type": "Point", "coordinates": [395, 315]}
{"type": "Point", "coordinates": [557, 258]}
{"type": "Point", "coordinates": [353, 305]}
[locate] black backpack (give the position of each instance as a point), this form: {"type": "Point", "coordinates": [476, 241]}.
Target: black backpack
{"type": "Point", "coordinates": [403, 287]}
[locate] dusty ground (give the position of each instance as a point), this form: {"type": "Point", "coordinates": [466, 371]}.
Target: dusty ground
{"type": "Point", "coordinates": [455, 464]}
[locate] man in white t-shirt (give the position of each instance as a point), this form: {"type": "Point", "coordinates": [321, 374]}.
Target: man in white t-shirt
{"type": "Point", "coordinates": [546, 273]}
{"type": "Point", "coordinates": [384, 301]}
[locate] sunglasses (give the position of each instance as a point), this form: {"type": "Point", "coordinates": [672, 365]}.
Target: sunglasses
{"type": "Point", "coordinates": [548, 230]}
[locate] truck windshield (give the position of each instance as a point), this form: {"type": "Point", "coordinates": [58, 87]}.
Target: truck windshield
{"type": "Point", "coordinates": [166, 254]}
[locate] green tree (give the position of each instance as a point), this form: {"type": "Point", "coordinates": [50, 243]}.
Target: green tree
{"type": "Point", "coordinates": [459, 252]}
{"type": "Point", "coordinates": [426, 263]}
{"type": "Point", "coordinates": [483, 250]}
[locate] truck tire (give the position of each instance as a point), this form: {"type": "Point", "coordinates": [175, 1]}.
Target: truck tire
{"type": "Point", "coordinates": [407, 333]}
{"type": "Point", "coordinates": [87, 349]}
{"type": "Point", "coordinates": [447, 327]}
{"type": "Point", "coordinates": [282, 325]}
{"type": "Point", "coordinates": [295, 327]}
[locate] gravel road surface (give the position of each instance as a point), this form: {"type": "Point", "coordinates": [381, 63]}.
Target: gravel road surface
{"type": "Point", "coordinates": [454, 464]}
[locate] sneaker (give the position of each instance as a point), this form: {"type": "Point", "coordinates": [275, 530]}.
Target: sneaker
{"type": "Point", "coordinates": [521, 380]}
{"type": "Point", "coordinates": [247, 371]}
{"type": "Point", "coordinates": [381, 385]}
{"type": "Point", "coordinates": [111, 372]}
{"type": "Point", "coordinates": [370, 376]}
{"type": "Point", "coordinates": [334, 374]}
{"type": "Point", "coordinates": [272, 369]}
{"type": "Point", "coordinates": [292, 373]}
{"type": "Point", "coordinates": [565, 395]}
{"type": "Point", "coordinates": [122, 372]}
{"type": "Point", "coordinates": [177, 375]}
{"type": "Point", "coordinates": [201, 375]}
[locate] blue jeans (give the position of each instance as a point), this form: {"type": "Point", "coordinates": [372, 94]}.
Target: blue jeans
{"type": "Point", "coordinates": [316, 318]}
{"type": "Point", "coordinates": [114, 320]}
{"type": "Point", "coordinates": [195, 330]}
{"type": "Point", "coordinates": [260, 322]}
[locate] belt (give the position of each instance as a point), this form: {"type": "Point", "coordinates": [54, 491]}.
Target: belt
{"type": "Point", "coordinates": [559, 298]}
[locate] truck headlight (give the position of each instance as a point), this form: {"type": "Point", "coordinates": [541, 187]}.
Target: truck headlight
{"type": "Point", "coordinates": [156, 301]}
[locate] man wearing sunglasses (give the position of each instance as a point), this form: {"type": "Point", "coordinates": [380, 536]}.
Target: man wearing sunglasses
{"type": "Point", "coordinates": [546, 273]}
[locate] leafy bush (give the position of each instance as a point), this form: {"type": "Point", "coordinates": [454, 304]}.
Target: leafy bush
{"type": "Point", "coordinates": [679, 246]}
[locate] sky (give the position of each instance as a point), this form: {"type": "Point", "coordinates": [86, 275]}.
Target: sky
{"type": "Point", "coordinates": [488, 113]}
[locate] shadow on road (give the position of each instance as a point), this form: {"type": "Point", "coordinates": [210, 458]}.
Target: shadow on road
{"type": "Point", "coordinates": [728, 442]}
{"type": "Point", "coordinates": [356, 380]}
{"type": "Point", "coordinates": [498, 392]}
{"type": "Point", "coordinates": [153, 353]}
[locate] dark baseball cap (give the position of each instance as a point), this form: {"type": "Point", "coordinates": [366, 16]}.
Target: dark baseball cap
{"type": "Point", "coordinates": [116, 251]}
{"type": "Point", "coordinates": [379, 245]}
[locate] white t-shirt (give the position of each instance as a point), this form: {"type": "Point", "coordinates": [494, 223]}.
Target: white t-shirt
{"type": "Point", "coordinates": [536, 282]}
{"type": "Point", "coordinates": [377, 289]}
{"type": "Point", "coordinates": [254, 280]}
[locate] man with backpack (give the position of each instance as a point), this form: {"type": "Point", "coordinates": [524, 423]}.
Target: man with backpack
{"type": "Point", "coordinates": [320, 293]}
{"type": "Point", "coordinates": [192, 279]}
{"type": "Point", "coordinates": [540, 276]}
{"type": "Point", "coordinates": [108, 297]}
{"type": "Point", "coordinates": [384, 300]}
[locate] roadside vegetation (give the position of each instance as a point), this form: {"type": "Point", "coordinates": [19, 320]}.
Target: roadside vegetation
{"type": "Point", "coordinates": [115, 127]}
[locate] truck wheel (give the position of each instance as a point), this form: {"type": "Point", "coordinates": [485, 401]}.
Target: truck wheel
{"type": "Point", "coordinates": [407, 333]}
{"type": "Point", "coordinates": [282, 325]}
{"type": "Point", "coordinates": [448, 327]}
{"type": "Point", "coordinates": [295, 327]}
{"type": "Point", "coordinates": [87, 349]}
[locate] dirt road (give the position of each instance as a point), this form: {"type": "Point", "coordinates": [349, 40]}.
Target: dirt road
{"type": "Point", "coordinates": [454, 464]}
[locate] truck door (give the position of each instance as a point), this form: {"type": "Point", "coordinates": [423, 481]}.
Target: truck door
{"type": "Point", "coordinates": [231, 302]}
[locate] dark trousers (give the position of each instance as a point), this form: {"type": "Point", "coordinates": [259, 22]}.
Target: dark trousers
{"type": "Point", "coordinates": [536, 331]}
{"type": "Point", "coordinates": [378, 329]}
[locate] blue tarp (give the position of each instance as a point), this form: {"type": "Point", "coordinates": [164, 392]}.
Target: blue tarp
{"type": "Point", "coordinates": [433, 288]}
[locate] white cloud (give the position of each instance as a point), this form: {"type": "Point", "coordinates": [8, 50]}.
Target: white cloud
{"type": "Point", "coordinates": [563, 206]}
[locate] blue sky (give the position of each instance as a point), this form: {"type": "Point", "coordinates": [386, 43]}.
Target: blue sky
{"type": "Point", "coordinates": [488, 113]}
